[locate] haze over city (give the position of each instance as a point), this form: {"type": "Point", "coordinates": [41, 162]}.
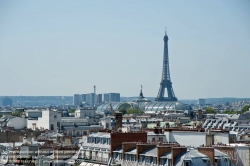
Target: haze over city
{"type": "Point", "coordinates": [59, 48]}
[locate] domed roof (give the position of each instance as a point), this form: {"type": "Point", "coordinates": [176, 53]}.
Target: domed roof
{"type": "Point", "coordinates": [141, 101]}
{"type": "Point", "coordinates": [162, 106]}
{"type": "Point", "coordinates": [141, 98]}
{"type": "Point", "coordinates": [115, 106]}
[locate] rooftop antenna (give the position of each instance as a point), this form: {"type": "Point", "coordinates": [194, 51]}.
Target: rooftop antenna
{"type": "Point", "coordinates": [165, 30]}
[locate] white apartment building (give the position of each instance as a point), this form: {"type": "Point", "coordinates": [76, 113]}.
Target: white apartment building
{"type": "Point", "coordinates": [85, 112]}
{"type": "Point", "coordinates": [81, 124]}
{"type": "Point", "coordinates": [44, 119]}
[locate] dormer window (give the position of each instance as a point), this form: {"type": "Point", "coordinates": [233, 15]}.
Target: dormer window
{"type": "Point", "coordinates": [187, 163]}
{"type": "Point", "coordinates": [169, 161]}
{"type": "Point", "coordinates": [217, 161]}
{"type": "Point", "coordinates": [206, 161]}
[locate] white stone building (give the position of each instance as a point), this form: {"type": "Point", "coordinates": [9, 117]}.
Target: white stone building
{"type": "Point", "coordinates": [44, 119]}
{"type": "Point", "coordinates": [85, 112]}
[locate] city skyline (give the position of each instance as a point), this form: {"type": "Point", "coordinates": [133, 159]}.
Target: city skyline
{"type": "Point", "coordinates": [66, 48]}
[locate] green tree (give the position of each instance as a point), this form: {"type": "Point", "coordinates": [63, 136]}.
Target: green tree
{"type": "Point", "coordinates": [244, 109]}
{"type": "Point", "coordinates": [16, 113]}
{"type": "Point", "coordinates": [123, 111]}
{"type": "Point", "coordinates": [134, 111]}
{"type": "Point", "coordinates": [210, 110]}
{"type": "Point", "coordinates": [72, 110]}
{"type": "Point", "coordinates": [229, 112]}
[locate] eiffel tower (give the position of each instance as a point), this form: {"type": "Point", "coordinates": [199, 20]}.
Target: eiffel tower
{"type": "Point", "coordinates": [166, 84]}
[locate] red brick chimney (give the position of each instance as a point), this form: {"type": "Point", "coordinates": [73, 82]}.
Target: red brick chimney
{"type": "Point", "coordinates": [116, 139]}
{"type": "Point", "coordinates": [209, 151]}
{"type": "Point", "coordinates": [127, 146]}
{"type": "Point", "coordinates": [142, 147]}
{"type": "Point", "coordinates": [176, 151]}
{"type": "Point", "coordinates": [161, 150]}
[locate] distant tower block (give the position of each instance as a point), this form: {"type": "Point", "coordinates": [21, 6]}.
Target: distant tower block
{"type": "Point", "coordinates": [202, 102]}
{"type": "Point", "coordinates": [166, 84]}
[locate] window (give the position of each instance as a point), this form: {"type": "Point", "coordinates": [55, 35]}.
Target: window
{"type": "Point", "coordinates": [133, 158]}
{"type": "Point", "coordinates": [141, 159]}
{"type": "Point", "coordinates": [154, 160]}
{"type": "Point", "coordinates": [52, 127]}
{"type": "Point", "coordinates": [115, 154]}
{"type": "Point", "coordinates": [148, 159]}
{"type": "Point", "coordinates": [186, 163]}
{"type": "Point", "coordinates": [55, 116]}
{"type": "Point", "coordinates": [126, 156]}
{"type": "Point", "coordinates": [120, 156]}
{"type": "Point", "coordinates": [153, 139]}
{"type": "Point", "coordinates": [163, 161]}
{"type": "Point", "coordinates": [169, 161]}
{"type": "Point", "coordinates": [217, 161]}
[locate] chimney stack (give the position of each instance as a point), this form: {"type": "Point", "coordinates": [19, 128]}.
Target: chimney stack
{"type": "Point", "coordinates": [176, 151]}
{"type": "Point", "coordinates": [209, 151]}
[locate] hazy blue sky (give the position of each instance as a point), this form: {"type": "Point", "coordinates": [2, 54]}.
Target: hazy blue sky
{"type": "Point", "coordinates": [66, 47]}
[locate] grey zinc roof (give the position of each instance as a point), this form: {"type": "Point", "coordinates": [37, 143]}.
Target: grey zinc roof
{"type": "Point", "coordinates": [150, 152]}
{"type": "Point", "coordinates": [118, 149]}
{"type": "Point", "coordinates": [2, 119]}
{"type": "Point", "coordinates": [179, 159]}
{"type": "Point", "coordinates": [133, 151]}
{"type": "Point", "coordinates": [6, 119]}
{"type": "Point", "coordinates": [167, 155]}
{"type": "Point", "coordinates": [238, 117]}
{"type": "Point", "coordinates": [73, 119]}
{"type": "Point", "coordinates": [197, 161]}
{"type": "Point", "coordinates": [196, 158]}
{"type": "Point", "coordinates": [100, 134]}
{"type": "Point", "coordinates": [195, 153]}
{"type": "Point", "coordinates": [92, 145]}
{"type": "Point", "coordinates": [83, 127]}
{"type": "Point", "coordinates": [218, 153]}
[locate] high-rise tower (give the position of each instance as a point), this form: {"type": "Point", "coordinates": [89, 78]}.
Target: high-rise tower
{"type": "Point", "coordinates": [166, 84]}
